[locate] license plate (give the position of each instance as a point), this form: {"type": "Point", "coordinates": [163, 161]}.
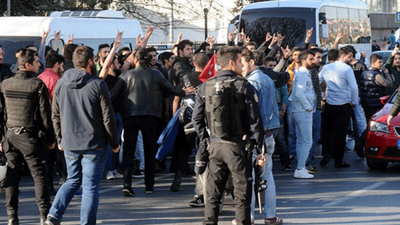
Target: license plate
{"type": "Point", "coordinates": [398, 144]}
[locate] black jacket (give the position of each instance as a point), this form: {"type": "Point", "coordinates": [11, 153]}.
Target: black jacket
{"type": "Point", "coordinates": [370, 91]}
{"type": "Point", "coordinates": [83, 115]}
{"type": "Point", "coordinates": [5, 71]}
{"type": "Point", "coordinates": [279, 79]}
{"type": "Point", "coordinates": [25, 101]}
{"type": "Point", "coordinates": [180, 68]}
{"type": "Point", "coordinates": [140, 92]}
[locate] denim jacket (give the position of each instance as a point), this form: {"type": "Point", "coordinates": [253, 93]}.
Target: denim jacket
{"type": "Point", "coordinates": [303, 96]}
{"type": "Point", "coordinates": [266, 93]}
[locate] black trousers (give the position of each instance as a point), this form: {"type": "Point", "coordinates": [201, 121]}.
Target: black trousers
{"type": "Point", "coordinates": [226, 159]}
{"type": "Point", "coordinates": [17, 148]}
{"type": "Point", "coordinates": [183, 147]}
{"type": "Point", "coordinates": [334, 130]}
{"type": "Point", "coordinates": [148, 126]}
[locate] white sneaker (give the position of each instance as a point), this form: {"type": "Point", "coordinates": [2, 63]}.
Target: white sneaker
{"type": "Point", "coordinates": [302, 174]}
{"type": "Point", "coordinates": [117, 175]}
{"type": "Point", "coordinates": [110, 175]}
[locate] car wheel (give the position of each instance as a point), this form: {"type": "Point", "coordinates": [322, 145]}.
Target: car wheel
{"type": "Point", "coordinates": [377, 165]}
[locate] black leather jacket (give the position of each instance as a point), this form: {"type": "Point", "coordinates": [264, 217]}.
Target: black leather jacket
{"type": "Point", "coordinates": [140, 92]}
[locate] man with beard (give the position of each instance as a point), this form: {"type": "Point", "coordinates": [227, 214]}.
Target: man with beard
{"type": "Point", "coordinates": [341, 96]}
{"type": "Point", "coordinates": [84, 123]}
{"type": "Point", "coordinates": [50, 76]}
{"type": "Point", "coordinates": [104, 50]}
{"type": "Point", "coordinates": [303, 106]}
{"type": "Point", "coordinates": [153, 63]}
{"type": "Point", "coordinates": [393, 65]}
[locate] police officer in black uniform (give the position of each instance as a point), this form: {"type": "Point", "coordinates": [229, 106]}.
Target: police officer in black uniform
{"type": "Point", "coordinates": [25, 110]}
{"type": "Point", "coordinates": [227, 151]}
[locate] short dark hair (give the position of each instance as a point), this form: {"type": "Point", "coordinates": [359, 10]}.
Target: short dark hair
{"type": "Point", "coordinates": [344, 51]}
{"type": "Point", "coordinates": [247, 54]}
{"type": "Point", "coordinates": [69, 50]}
{"type": "Point", "coordinates": [268, 59]}
{"type": "Point", "coordinates": [227, 53]}
{"type": "Point", "coordinates": [251, 43]}
{"type": "Point", "coordinates": [151, 49]}
{"type": "Point", "coordinates": [201, 59]}
{"type": "Point", "coordinates": [165, 56]}
{"type": "Point", "coordinates": [122, 59]}
{"type": "Point", "coordinates": [304, 54]}
{"type": "Point", "coordinates": [103, 46]}
{"type": "Point", "coordinates": [351, 48]}
{"type": "Point", "coordinates": [374, 57]}
{"type": "Point", "coordinates": [123, 49]}
{"type": "Point", "coordinates": [183, 43]}
{"type": "Point", "coordinates": [333, 55]}
{"type": "Point", "coordinates": [315, 50]}
{"type": "Point", "coordinates": [28, 46]}
{"type": "Point", "coordinates": [143, 56]}
{"type": "Point", "coordinates": [26, 56]}
{"type": "Point", "coordinates": [259, 57]}
{"type": "Point", "coordinates": [81, 56]}
{"type": "Point", "coordinates": [297, 49]}
{"type": "Point", "coordinates": [52, 58]}
{"type": "Point", "coordinates": [312, 46]}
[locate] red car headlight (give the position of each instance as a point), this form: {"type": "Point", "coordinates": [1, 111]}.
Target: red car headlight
{"type": "Point", "coordinates": [378, 127]}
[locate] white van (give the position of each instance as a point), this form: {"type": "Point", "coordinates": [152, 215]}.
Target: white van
{"type": "Point", "coordinates": [90, 28]}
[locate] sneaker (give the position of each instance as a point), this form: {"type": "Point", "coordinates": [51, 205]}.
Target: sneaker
{"type": "Point", "coordinates": [234, 222]}
{"type": "Point", "coordinates": [110, 175]}
{"type": "Point", "coordinates": [149, 191]}
{"type": "Point", "coordinates": [302, 174]}
{"type": "Point", "coordinates": [342, 164]}
{"type": "Point", "coordinates": [273, 221]}
{"type": "Point", "coordinates": [127, 191]}
{"type": "Point", "coordinates": [175, 185]}
{"type": "Point", "coordinates": [197, 201]}
{"type": "Point", "coordinates": [51, 221]}
{"type": "Point", "coordinates": [117, 174]}
{"type": "Point", "coordinates": [138, 174]}
{"type": "Point", "coordinates": [325, 160]}
{"type": "Point", "coordinates": [287, 167]}
{"type": "Point", "coordinates": [312, 169]}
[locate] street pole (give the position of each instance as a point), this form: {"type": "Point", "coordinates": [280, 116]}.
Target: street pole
{"type": "Point", "coordinates": [171, 23]}
{"type": "Point", "coordinates": [8, 7]}
{"type": "Point", "coordinates": [205, 23]}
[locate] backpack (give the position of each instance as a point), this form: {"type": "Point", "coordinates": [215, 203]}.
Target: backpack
{"type": "Point", "coordinates": [225, 107]}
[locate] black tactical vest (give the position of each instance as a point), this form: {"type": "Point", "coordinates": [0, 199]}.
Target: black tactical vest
{"type": "Point", "coordinates": [225, 107]}
{"type": "Point", "coordinates": [21, 94]}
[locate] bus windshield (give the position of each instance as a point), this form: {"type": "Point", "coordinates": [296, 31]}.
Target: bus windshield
{"type": "Point", "coordinates": [290, 22]}
{"type": "Point", "coordinates": [12, 44]}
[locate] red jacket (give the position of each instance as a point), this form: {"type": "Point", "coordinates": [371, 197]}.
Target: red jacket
{"type": "Point", "coordinates": [49, 78]}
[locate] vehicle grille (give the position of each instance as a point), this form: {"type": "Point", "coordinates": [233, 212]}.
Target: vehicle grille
{"type": "Point", "coordinates": [397, 129]}
{"type": "Point", "coordinates": [392, 152]}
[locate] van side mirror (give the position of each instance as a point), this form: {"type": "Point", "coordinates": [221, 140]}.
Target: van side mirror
{"type": "Point", "coordinates": [324, 30]}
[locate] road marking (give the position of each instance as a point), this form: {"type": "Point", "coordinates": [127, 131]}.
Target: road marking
{"type": "Point", "coordinates": [355, 194]}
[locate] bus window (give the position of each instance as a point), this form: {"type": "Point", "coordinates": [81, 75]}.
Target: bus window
{"type": "Point", "coordinates": [354, 26]}
{"type": "Point", "coordinates": [290, 22]}
{"type": "Point", "coordinates": [343, 23]}
{"type": "Point", "coordinates": [365, 29]}
{"type": "Point", "coordinates": [331, 20]}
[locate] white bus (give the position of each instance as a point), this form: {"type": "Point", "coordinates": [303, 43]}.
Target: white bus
{"type": "Point", "coordinates": [90, 28]}
{"type": "Point", "coordinates": [291, 18]}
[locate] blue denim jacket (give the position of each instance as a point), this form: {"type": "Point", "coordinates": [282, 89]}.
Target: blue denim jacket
{"type": "Point", "coordinates": [266, 93]}
{"type": "Point", "coordinates": [303, 95]}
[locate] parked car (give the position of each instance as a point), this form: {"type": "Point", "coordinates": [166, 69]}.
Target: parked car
{"type": "Point", "coordinates": [382, 141]}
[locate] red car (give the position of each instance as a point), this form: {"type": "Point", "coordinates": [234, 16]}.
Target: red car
{"type": "Point", "coordinates": [382, 143]}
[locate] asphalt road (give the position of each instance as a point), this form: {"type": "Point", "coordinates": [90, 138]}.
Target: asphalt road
{"type": "Point", "coordinates": [354, 195]}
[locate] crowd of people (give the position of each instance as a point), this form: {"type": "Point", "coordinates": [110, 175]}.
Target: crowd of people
{"type": "Point", "coordinates": [80, 114]}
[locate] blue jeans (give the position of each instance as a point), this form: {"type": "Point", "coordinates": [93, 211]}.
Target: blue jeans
{"type": "Point", "coordinates": [270, 192]}
{"type": "Point", "coordinates": [139, 153]}
{"type": "Point", "coordinates": [303, 121]}
{"type": "Point", "coordinates": [84, 168]}
{"type": "Point", "coordinates": [111, 156]}
{"type": "Point", "coordinates": [360, 122]}
{"type": "Point", "coordinates": [316, 133]}
{"type": "Point", "coordinates": [291, 130]}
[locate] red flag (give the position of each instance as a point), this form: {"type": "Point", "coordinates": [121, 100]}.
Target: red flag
{"type": "Point", "coordinates": [210, 69]}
